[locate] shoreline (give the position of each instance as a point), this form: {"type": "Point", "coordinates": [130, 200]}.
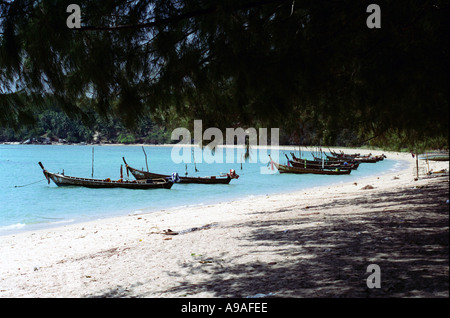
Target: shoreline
{"type": "Point", "coordinates": [365, 150]}
{"type": "Point", "coordinates": [226, 240]}
{"type": "Point", "coordinates": [14, 229]}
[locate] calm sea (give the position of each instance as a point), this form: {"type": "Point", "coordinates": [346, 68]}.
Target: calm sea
{"type": "Point", "coordinates": [28, 202]}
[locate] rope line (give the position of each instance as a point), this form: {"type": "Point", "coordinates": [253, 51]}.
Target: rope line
{"type": "Point", "coordinates": [21, 186]}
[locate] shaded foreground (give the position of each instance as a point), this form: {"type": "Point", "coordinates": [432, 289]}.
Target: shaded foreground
{"type": "Point", "coordinates": [324, 255]}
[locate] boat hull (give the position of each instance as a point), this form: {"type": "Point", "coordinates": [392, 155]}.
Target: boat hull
{"type": "Point", "coordinates": [141, 175]}
{"type": "Point", "coordinates": [62, 181]}
{"type": "Point", "coordinates": [435, 157]}
{"type": "Point", "coordinates": [297, 164]}
{"type": "Point", "coordinates": [316, 164]}
{"type": "Point", "coordinates": [286, 169]}
{"type": "Point", "coordinates": [357, 159]}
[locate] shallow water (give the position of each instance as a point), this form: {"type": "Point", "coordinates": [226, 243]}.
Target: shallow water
{"type": "Point", "coordinates": [28, 202]}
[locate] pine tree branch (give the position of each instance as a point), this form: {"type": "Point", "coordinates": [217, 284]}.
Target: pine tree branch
{"type": "Point", "coordinates": [180, 17]}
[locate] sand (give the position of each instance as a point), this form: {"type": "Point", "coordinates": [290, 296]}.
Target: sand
{"type": "Point", "coordinates": [313, 243]}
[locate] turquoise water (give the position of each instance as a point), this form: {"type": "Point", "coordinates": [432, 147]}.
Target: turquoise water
{"type": "Point", "coordinates": [41, 205]}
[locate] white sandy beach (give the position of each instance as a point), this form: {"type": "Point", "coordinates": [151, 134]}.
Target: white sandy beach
{"type": "Point", "coordinates": [313, 243]}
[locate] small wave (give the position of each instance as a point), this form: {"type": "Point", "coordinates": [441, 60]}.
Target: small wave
{"type": "Point", "coordinates": [62, 221]}
{"type": "Point", "coordinates": [15, 226]}
{"type": "Point", "coordinates": [136, 212]}
{"type": "Point", "coordinates": [18, 227]}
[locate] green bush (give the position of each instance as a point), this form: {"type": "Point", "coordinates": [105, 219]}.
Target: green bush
{"type": "Point", "coordinates": [126, 138]}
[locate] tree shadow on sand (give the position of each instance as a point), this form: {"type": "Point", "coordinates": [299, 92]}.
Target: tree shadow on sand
{"type": "Point", "coordinates": [404, 232]}
{"type": "Point", "coordinates": [410, 246]}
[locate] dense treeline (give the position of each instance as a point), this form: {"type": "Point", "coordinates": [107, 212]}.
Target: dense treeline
{"type": "Point", "coordinates": [53, 125]}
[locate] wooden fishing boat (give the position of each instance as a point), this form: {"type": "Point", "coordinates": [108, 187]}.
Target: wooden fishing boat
{"type": "Point", "coordinates": [141, 174]}
{"type": "Point", "coordinates": [343, 154]}
{"type": "Point", "coordinates": [336, 160]}
{"type": "Point", "coordinates": [298, 162]}
{"type": "Point", "coordinates": [286, 169]}
{"type": "Point", "coordinates": [435, 156]}
{"type": "Point", "coordinates": [365, 159]}
{"type": "Point", "coordinates": [370, 158]}
{"type": "Point", "coordinates": [63, 180]}
{"type": "Point", "coordinates": [305, 164]}
{"type": "Point", "coordinates": [358, 157]}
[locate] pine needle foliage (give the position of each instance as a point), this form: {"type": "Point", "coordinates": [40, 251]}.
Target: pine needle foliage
{"type": "Point", "coordinates": [278, 63]}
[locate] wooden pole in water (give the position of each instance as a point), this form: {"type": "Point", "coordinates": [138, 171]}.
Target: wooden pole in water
{"type": "Point", "coordinates": [92, 175]}
{"type": "Point", "coordinates": [193, 156]}
{"type": "Point", "coordinates": [417, 165]}
{"type": "Point", "coordinates": [145, 157]}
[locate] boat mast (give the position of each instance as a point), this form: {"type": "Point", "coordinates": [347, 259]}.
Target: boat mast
{"type": "Point", "coordinates": [92, 174]}
{"type": "Point", "coordinates": [145, 157]}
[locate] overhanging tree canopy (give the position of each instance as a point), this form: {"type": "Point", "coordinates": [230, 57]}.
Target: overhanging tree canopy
{"type": "Point", "coordinates": [274, 62]}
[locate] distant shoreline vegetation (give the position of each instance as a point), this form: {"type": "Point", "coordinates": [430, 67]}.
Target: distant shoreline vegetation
{"type": "Point", "coordinates": [56, 127]}
{"type": "Point", "coordinates": [53, 126]}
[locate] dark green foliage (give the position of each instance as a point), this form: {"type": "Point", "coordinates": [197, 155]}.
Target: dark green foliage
{"type": "Point", "coordinates": [312, 68]}
{"type": "Point", "coordinates": [58, 127]}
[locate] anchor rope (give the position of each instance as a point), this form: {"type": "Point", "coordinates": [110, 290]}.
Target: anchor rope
{"type": "Point", "coordinates": [21, 186]}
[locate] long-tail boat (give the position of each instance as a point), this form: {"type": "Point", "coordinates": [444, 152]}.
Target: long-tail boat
{"type": "Point", "coordinates": [335, 160]}
{"type": "Point", "coordinates": [350, 155]}
{"type": "Point", "coordinates": [361, 158]}
{"type": "Point", "coordinates": [298, 162]}
{"type": "Point", "coordinates": [223, 179]}
{"type": "Point", "coordinates": [63, 180]}
{"type": "Point", "coordinates": [364, 159]}
{"type": "Point", "coordinates": [287, 169]}
{"type": "Point", "coordinates": [435, 156]}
